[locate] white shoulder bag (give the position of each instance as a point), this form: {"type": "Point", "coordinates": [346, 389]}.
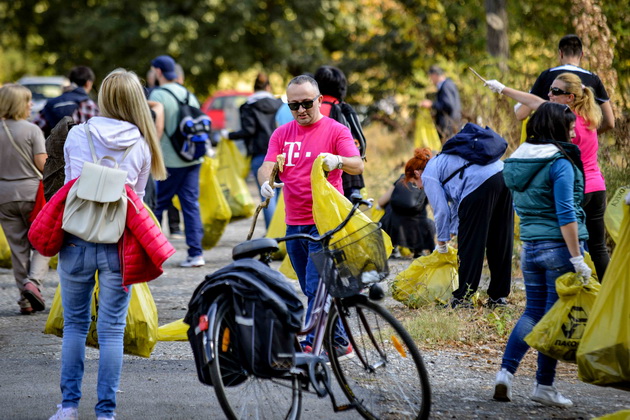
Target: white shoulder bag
{"type": "Point", "coordinates": [96, 207]}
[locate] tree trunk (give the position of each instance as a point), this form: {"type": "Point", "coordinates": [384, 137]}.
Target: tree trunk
{"type": "Point", "coordinates": [497, 35]}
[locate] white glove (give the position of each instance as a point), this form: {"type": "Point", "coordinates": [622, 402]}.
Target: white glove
{"type": "Point", "coordinates": [224, 133]}
{"type": "Point", "coordinates": [495, 86]}
{"type": "Point", "coordinates": [628, 199]}
{"type": "Point", "coordinates": [442, 249]}
{"type": "Point", "coordinates": [581, 268]}
{"type": "Point", "coordinates": [331, 161]}
{"type": "Point", "coordinates": [267, 190]}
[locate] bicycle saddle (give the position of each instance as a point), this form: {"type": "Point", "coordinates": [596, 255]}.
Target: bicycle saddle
{"type": "Point", "coordinates": [255, 247]}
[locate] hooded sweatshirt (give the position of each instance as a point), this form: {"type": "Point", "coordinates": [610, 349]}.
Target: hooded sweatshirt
{"type": "Point", "coordinates": [111, 138]}
{"type": "Point", "coordinates": [547, 190]}
{"type": "Point", "coordinates": [258, 121]}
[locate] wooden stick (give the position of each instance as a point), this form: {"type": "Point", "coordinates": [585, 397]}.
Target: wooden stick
{"type": "Point", "coordinates": [277, 167]}
{"type": "Point", "coordinates": [477, 74]}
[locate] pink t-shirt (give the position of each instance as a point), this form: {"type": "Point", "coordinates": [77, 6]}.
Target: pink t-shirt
{"type": "Point", "coordinates": [300, 146]}
{"type": "Point", "coordinates": [586, 140]}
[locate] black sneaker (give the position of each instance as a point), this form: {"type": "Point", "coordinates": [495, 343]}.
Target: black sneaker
{"type": "Point", "coordinates": [456, 303]}
{"type": "Point", "coordinates": [496, 303]}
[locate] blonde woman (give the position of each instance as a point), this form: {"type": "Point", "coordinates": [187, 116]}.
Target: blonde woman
{"type": "Point", "coordinates": [568, 89]}
{"type": "Point", "coordinates": [125, 122]}
{"type": "Point", "coordinates": [23, 151]}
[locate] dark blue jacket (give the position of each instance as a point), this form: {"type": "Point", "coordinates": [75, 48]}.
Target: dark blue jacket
{"type": "Point", "coordinates": [63, 105]}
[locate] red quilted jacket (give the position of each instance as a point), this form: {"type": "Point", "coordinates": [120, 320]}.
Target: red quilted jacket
{"type": "Point", "coordinates": [143, 247]}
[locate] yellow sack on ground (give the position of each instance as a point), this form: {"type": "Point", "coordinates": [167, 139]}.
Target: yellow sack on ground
{"type": "Point", "coordinates": [429, 279]}
{"type": "Point", "coordinates": [173, 331]}
{"type": "Point", "coordinates": [278, 228]}
{"type": "Point", "coordinates": [232, 183]}
{"type": "Point", "coordinates": [5, 251]}
{"type": "Point", "coordinates": [426, 134]}
{"type": "Point", "coordinates": [213, 206]}
{"type": "Point", "coordinates": [142, 320]}
{"type": "Point", "coordinates": [330, 208]}
{"type": "Point", "coordinates": [286, 268]}
{"type": "Point", "coordinates": [559, 332]}
{"type": "Point", "coordinates": [603, 357]}
{"type": "Point", "coordinates": [614, 212]}
{"type": "Point", "coordinates": [619, 415]}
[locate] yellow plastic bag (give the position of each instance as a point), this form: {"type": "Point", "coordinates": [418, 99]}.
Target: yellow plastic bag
{"type": "Point", "coordinates": [278, 228]}
{"type": "Point", "coordinates": [330, 208]}
{"type": "Point", "coordinates": [173, 331]}
{"type": "Point", "coordinates": [5, 251]}
{"type": "Point", "coordinates": [142, 320]}
{"type": "Point", "coordinates": [429, 279]}
{"type": "Point", "coordinates": [426, 134]}
{"type": "Point", "coordinates": [619, 415]}
{"type": "Point", "coordinates": [286, 268]}
{"type": "Point", "coordinates": [603, 357]}
{"type": "Point", "coordinates": [614, 212]}
{"type": "Point", "coordinates": [232, 183]}
{"type": "Point", "coordinates": [559, 332]}
{"type": "Point", "coordinates": [213, 206]}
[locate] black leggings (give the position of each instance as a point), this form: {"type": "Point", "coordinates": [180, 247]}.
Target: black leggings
{"type": "Point", "coordinates": [594, 206]}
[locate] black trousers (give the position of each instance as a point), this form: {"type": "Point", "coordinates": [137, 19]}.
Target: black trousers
{"type": "Point", "coordinates": [594, 206]}
{"type": "Point", "coordinates": [486, 226]}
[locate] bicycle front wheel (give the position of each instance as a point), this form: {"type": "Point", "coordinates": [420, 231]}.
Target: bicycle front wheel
{"type": "Point", "coordinates": [384, 375]}
{"type": "Point", "coordinates": [242, 395]}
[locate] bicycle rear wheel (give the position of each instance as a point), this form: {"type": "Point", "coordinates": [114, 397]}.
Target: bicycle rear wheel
{"type": "Point", "coordinates": [242, 395]}
{"type": "Point", "coordinates": [391, 381]}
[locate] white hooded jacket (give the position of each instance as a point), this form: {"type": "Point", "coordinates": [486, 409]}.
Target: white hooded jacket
{"type": "Point", "coordinates": [111, 137]}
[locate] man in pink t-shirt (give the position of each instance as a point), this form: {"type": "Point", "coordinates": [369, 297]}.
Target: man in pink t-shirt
{"type": "Point", "coordinates": [301, 141]}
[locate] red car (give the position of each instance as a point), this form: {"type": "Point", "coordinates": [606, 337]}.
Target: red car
{"type": "Point", "coordinates": [222, 108]}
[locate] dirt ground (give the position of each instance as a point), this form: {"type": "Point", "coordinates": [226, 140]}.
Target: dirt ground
{"type": "Point", "coordinates": [165, 386]}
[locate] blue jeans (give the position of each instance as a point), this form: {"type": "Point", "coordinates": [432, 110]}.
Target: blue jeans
{"type": "Point", "coordinates": [78, 262]}
{"type": "Point", "coordinates": [542, 262]}
{"type": "Point", "coordinates": [256, 163]}
{"type": "Point", "coordinates": [183, 182]}
{"type": "Point", "coordinates": [308, 277]}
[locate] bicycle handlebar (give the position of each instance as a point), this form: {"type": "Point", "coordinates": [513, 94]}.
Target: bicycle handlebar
{"type": "Point", "coordinates": [326, 236]}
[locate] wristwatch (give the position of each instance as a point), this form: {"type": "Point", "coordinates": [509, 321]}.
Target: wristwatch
{"type": "Point", "coordinates": [340, 164]}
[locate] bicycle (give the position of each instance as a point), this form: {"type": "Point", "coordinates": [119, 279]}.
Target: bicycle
{"type": "Point", "coordinates": [384, 375]}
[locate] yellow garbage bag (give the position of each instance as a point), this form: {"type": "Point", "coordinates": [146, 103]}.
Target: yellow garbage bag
{"type": "Point", "coordinates": [524, 130]}
{"type": "Point", "coordinates": [278, 228]}
{"type": "Point", "coordinates": [330, 208]}
{"type": "Point", "coordinates": [559, 332]}
{"type": "Point", "coordinates": [614, 212]}
{"type": "Point", "coordinates": [603, 357]}
{"type": "Point", "coordinates": [287, 269]}
{"type": "Point", "coordinates": [213, 206]}
{"type": "Point", "coordinates": [232, 183]}
{"type": "Point", "coordinates": [5, 251]}
{"type": "Point", "coordinates": [173, 331]}
{"type": "Point", "coordinates": [142, 320]}
{"type": "Point", "coordinates": [426, 134]}
{"type": "Point", "coordinates": [619, 415]}
{"type": "Point", "coordinates": [429, 279]}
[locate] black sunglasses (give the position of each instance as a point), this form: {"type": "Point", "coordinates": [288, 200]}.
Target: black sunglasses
{"type": "Point", "coordinates": [557, 92]}
{"type": "Point", "coordinates": [294, 106]}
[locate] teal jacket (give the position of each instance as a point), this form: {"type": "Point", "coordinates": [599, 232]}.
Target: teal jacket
{"type": "Point", "coordinates": [546, 196]}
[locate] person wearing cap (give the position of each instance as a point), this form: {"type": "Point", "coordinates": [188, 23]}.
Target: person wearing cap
{"type": "Point", "coordinates": [446, 106]}
{"type": "Point", "coordinates": [183, 176]}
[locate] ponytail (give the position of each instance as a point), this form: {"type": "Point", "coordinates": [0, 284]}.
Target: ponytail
{"type": "Point", "coordinates": [584, 103]}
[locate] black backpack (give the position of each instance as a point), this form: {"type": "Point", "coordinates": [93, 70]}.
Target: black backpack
{"type": "Point", "coordinates": [192, 134]}
{"type": "Point", "coordinates": [479, 146]}
{"type": "Point", "coordinates": [346, 115]}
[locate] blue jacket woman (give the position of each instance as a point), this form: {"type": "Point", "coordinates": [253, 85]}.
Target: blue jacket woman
{"type": "Point", "coordinates": [547, 184]}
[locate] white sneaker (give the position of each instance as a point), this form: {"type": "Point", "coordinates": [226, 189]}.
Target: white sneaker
{"type": "Point", "coordinates": [548, 395]}
{"type": "Point", "coordinates": [197, 261]}
{"type": "Point", "coordinates": [68, 413]}
{"type": "Point", "coordinates": [503, 386]}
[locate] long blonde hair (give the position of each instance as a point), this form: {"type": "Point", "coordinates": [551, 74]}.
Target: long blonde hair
{"type": "Point", "coordinates": [14, 100]}
{"type": "Point", "coordinates": [121, 97]}
{"type": "Point", "coordinates": [584, 103]}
